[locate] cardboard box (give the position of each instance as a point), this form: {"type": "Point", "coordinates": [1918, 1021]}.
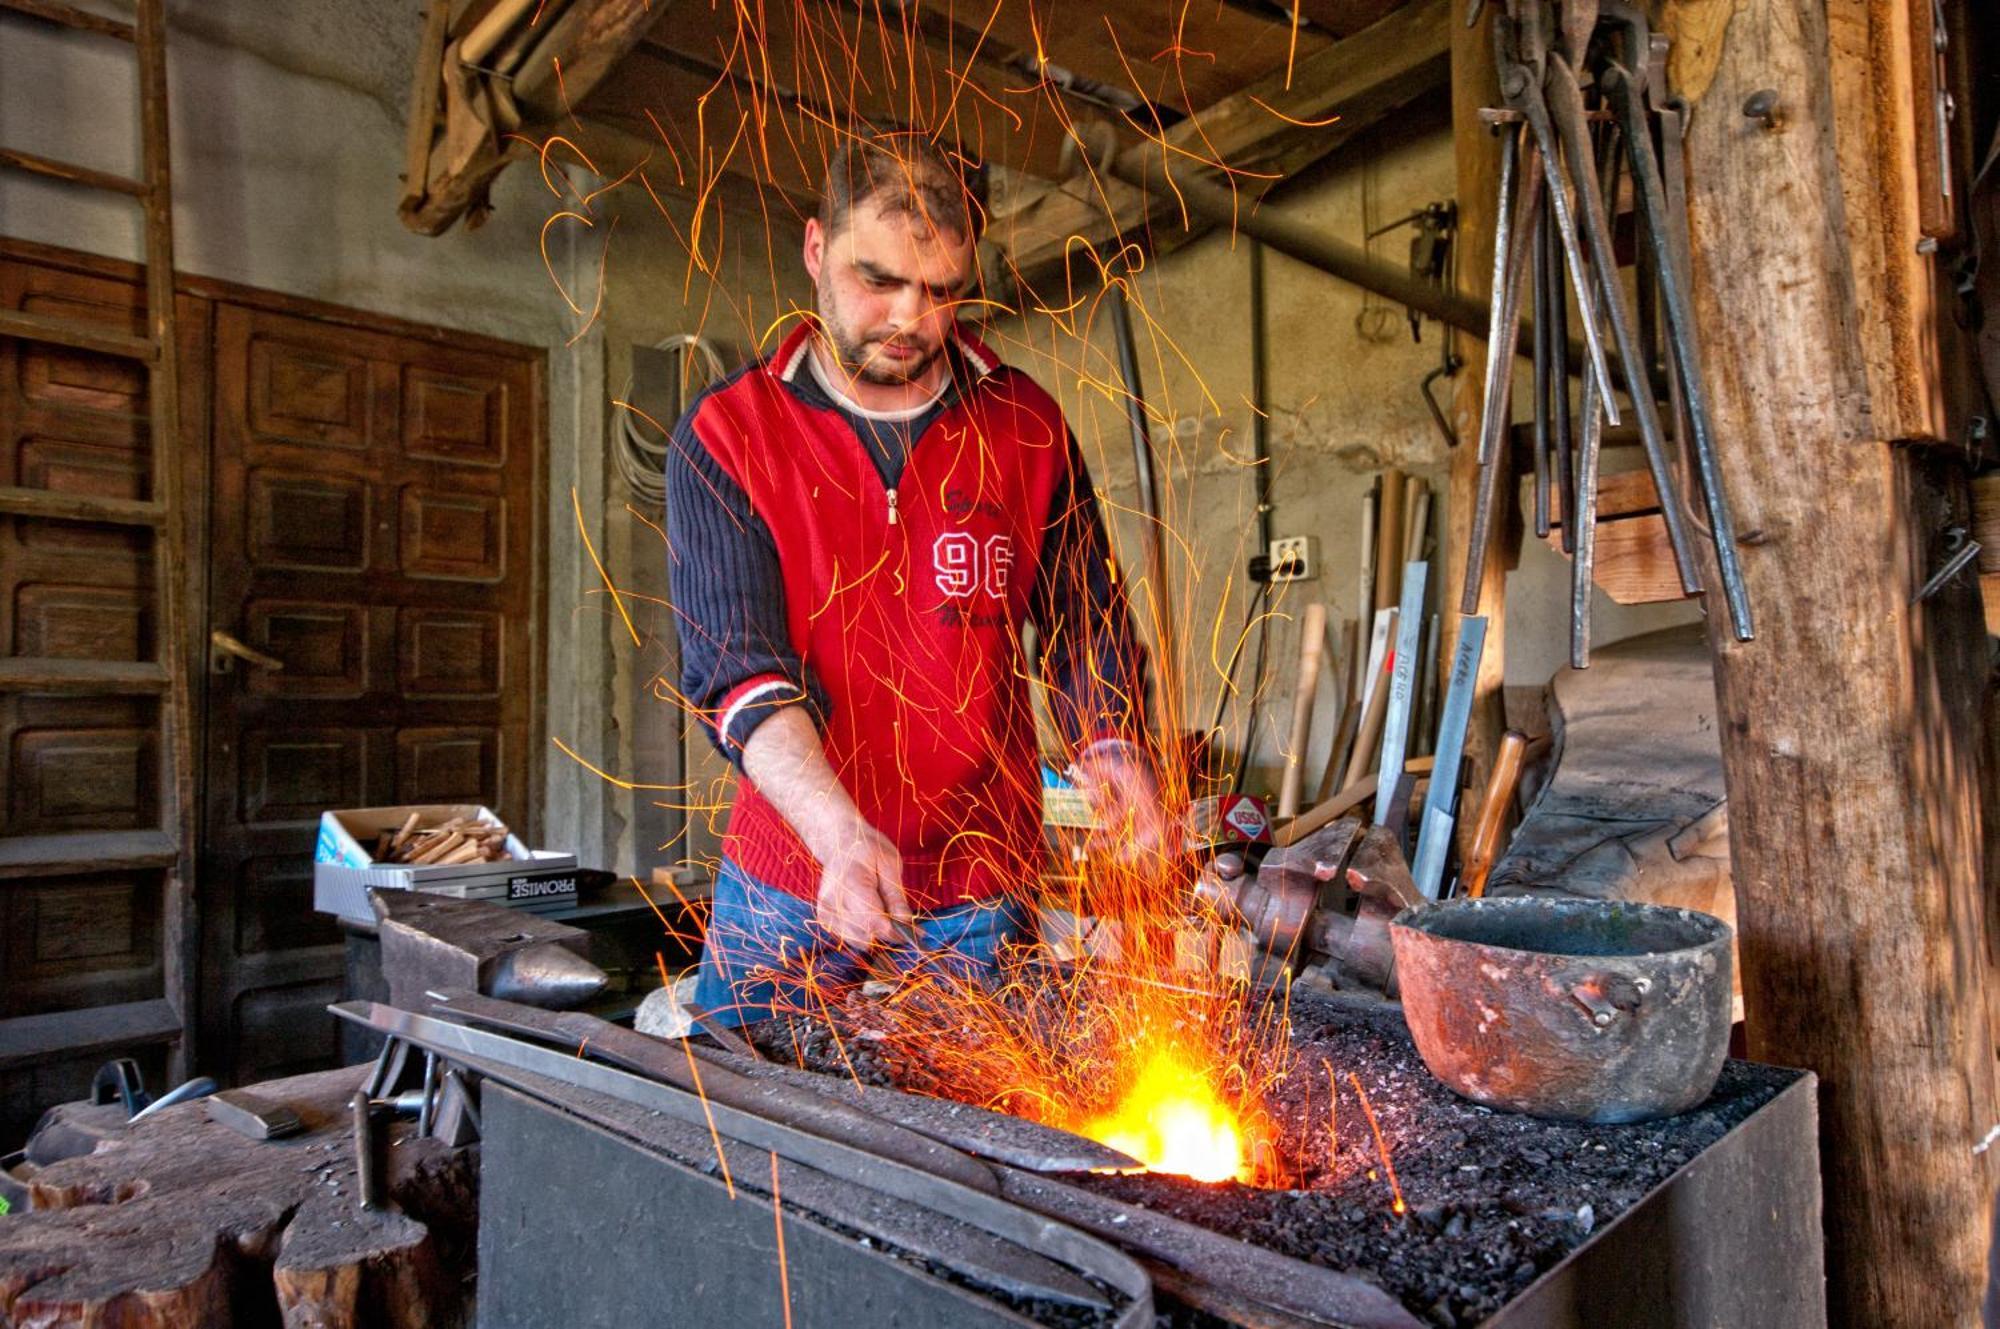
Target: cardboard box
{"type": "Point", "coordinates": [344, 866]}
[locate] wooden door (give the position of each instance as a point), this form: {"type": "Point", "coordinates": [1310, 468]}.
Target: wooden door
{"type": "Point", "coordinates": [373, 525]}
{"type": "Point", "coordinates": [95, 938]}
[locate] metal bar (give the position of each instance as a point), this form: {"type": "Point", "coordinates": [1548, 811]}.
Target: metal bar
{"type": "Point", "coordinates": [1494, 415]}
{"type": "Point", "coordinates": [1562, 428]}
{"type": "Point", "coordinates": [1435, 840]}
{"type": "Point", "coordinates": [657, 1060]}
{"type": "Point", "coordinates": [1520, 87]}
{"type": "Point", "coordinates": [1497, 392]}
{"type": "Point", "coordinates": [1402, 686]}
{"type": "Point", "coordinates": [1306, 243]}
{"type": "Point", "coordinates": [1686, 352]}
{"type": "Point", "coordinates": [520, 1065]}
{"type": "Point", "coordinates": [367, 1164]}
{"type": "Point", "coordinates": [1152, 528]}
{"type": "Point", "coordinates": [1503, 249]}
{"type": "Point", "coordinates": [1583, 560]}
{"type": "Point", "coordinates": [1545, 379]}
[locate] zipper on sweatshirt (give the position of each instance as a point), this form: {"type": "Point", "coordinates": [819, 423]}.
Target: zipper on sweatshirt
{"type": "Point", "coordinates": [892, 505]}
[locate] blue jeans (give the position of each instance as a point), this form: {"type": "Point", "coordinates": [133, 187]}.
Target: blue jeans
{"type": "Point", "coordinates": [765, 953]}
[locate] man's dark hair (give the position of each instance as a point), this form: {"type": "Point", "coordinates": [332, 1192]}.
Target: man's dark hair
{"type": "Point", "coordinates": [904, 174]}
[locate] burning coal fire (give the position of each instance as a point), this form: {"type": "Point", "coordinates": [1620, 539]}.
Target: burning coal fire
{"type": "Point", "coordinates": [1172, 1120]}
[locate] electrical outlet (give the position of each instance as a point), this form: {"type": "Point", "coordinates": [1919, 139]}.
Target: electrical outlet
{"type": "Point", "coordinates": [1294, 558]}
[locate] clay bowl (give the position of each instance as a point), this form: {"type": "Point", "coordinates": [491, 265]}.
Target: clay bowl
{"type": "Point", "coordinates": [1576, 1010]}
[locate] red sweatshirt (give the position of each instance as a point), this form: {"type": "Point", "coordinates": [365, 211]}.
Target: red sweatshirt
{"type": "Point", "coordinates": [815, 564]}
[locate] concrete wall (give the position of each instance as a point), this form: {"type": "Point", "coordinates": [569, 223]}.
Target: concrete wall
{"type": "Point", "coordinates": [1342, 379]}
{"type": "Point", "coordinates": [287, 129]}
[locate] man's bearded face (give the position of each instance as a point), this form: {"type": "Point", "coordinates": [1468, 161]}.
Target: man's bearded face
{"type": "Point", "coordinates": [887, 284]}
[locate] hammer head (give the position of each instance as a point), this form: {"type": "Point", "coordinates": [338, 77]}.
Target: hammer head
{"type": "Point", "coordinates": [1379, 871]}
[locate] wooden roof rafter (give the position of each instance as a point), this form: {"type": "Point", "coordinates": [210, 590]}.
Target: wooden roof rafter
{"type": "Point", "coordinates": [749, 100]}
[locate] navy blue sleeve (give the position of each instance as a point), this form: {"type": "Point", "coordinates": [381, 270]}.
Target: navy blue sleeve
{"type": "Point", "coordinates": [737, 663]}
{"type": "Point", "coordinates": [1091, 657]}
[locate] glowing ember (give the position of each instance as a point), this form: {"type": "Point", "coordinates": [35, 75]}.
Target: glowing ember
{"type": "Point", "coordinates": [1173, 1121]}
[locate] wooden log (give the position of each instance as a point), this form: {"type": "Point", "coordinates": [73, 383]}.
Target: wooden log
{"type": "Point", "coordinates": [1853, 782]}
{"type": "Point", "coordinates": [1475, 85]}
{"type": "Point", "coordinates": [179, 1222]}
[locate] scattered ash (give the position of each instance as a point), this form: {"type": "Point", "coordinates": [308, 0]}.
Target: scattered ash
{"type": "Point", "coordinates": [1493, 1199]}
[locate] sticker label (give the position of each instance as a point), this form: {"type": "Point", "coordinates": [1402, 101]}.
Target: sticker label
{"type": "Point", "coordinates": [540, 888]}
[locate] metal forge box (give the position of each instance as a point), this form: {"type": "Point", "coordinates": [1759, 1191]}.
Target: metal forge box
{"type": "Point", "coordinates": [594, 1211]}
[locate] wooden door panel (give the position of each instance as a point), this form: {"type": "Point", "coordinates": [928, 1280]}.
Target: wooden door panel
{"type": "Point", "coordinates": [371, 522]}
{"type": "Point", "coordinates": [305, 522]}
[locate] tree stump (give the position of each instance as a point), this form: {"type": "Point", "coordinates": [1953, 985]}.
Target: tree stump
{"type": "Point", "coordinates": [180, 1222]}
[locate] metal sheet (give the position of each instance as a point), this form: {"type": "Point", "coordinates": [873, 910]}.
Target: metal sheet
{"type": "Point", "coordinates": [1436, 838]}
{"type": "Point", "coordinates": [1733, 1238]}
{"type": "Point", "coordinates": [685, 1249]}
{"type": "Point", "coordinates": [1402, 686]}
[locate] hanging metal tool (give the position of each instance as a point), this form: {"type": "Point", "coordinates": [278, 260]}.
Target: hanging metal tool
{"type": "Point", "coordinates": [1555, 221]}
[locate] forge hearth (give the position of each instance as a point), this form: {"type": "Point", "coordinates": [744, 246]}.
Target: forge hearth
{"type": "Point", "coordinates": [1710, 1217]}
{"type": "Point", "coordinates": [898, 1210]}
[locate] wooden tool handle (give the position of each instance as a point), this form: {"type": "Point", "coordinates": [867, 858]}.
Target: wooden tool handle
{"type": "Point", "coordinates": [1371, 723]}
{"type": "Point", "coordinates": [1312, 647]}
{"type": "Point", "coordinates": [1500, 788]}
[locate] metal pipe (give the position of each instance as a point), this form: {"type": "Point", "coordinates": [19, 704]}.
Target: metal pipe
{"type": "Point", "coordinates": [1260, 422]}
{"type": "Point", "coordinates": [1260, 454]}
{"type": "Point", "coordinates": [1167, 675]}
{"type": "Point", "coordinates": [1307, 244]}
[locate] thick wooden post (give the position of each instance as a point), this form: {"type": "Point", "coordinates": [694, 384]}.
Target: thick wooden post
{"type": "Point", "coordinates": [1474, 84]}
{"type": "Point", "coordinates": [1852, 773]}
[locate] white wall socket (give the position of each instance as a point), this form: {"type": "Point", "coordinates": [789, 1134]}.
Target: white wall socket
{"type": "Point", "coordinates": [1294, 558]}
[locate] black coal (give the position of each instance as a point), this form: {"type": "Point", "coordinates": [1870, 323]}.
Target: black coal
{"type": "Point", "coordinates": [1492, 1199]}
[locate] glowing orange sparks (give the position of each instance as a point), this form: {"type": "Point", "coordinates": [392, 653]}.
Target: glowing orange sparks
{"type": "Point", "coordinates": [1381, 1147]}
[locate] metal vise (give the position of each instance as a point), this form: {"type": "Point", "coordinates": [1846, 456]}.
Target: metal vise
{"type": "Point", "coordinates": [1280, 906]}
{"type": "Point", "coordinates": [433, 943]}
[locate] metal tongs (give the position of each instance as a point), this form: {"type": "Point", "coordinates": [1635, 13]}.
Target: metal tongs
{"type": "Point", "coordinates": [1557, 188]}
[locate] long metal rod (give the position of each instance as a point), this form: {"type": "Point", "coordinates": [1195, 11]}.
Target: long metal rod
{"type": "Point", "coordinates": [526, 1067]}
{"type": "Point", "coordinates": [1681, 335]}
{"type": "Point", "coordinates": [1493, 453]}
{"type": "Point", "coordinates": [1571, 125]}
{"type": "Point", "coordinates": [1152, 530]}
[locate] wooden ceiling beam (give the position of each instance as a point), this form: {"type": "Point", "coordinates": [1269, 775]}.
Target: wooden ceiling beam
{"type": "Point", "coordinates": [1178, 55]}
{"type": "Point", "coordinates": [1266, 131]}
{"type": "Point", "coordinates": [852, 70]}
{"type": "Point", "coordinates": [481, 123]}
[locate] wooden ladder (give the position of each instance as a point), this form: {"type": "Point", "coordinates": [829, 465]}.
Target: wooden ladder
{"type": "Point", "coordinates": [167, 847]}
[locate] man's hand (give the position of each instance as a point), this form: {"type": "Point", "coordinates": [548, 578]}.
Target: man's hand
{"type": "Point", "coordinates": [1124, 794]}
{"type": "Point", "coordinates": [861, 898]}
